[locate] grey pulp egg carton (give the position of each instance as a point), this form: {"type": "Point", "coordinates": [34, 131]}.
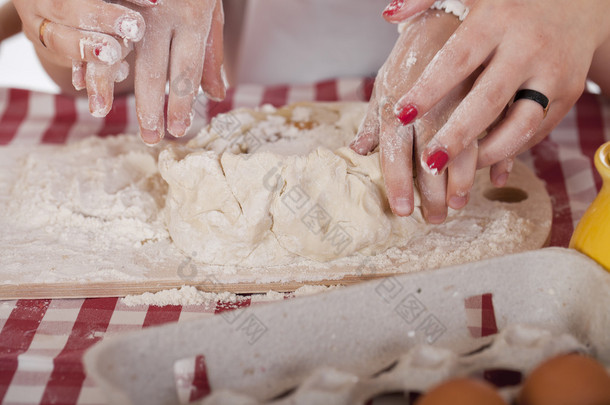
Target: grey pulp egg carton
{"type": "Point", "coordinates": [403, 333]}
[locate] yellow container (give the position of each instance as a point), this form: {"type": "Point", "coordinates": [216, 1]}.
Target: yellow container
{"type": "Point", "coordinates": [592, 235]}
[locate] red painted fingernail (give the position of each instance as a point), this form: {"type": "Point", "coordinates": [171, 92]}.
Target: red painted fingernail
{"type": "Point", "coordinates": [97, 50]}
{"type": "Point", "coordinates": [393, 8]}
{"type": "Point", "coordinates": [406, 114]}
{"type": "Point", "coordinates": [437, 161]}
{"type": "Point", "coordinates": [153, 1]}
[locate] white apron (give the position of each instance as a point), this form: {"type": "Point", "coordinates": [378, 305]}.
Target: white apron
{"type": "Point", "coordinates": [302, 41]}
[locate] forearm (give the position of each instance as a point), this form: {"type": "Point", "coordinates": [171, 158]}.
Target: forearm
{"type": "Point", "coordinates": [600, 67]}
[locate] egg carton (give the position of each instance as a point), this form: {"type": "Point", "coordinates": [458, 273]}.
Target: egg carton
{"type": "Point", "coordinates": [346, 346]}
{"type": "Point", "coordinates": [516, 351]}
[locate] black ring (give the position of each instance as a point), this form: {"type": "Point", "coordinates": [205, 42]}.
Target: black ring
{"type": "Point", "coordinates": [534, 96]}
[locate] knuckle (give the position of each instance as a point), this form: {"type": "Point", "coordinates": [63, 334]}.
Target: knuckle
{"type": "Point", "coordinates": [487, 158]}
{"type": "Point", "coordinates": [575, 89]}
{"type": "Point", "coordinates": [460, 181]}
{"type": "Point", "coordinates": [460, 135]}
{"type": "Point", "coordinates": [556, 68]}
{"type": "Point", "coordinates": [463, 57]}
{"type": "Point", "coordinates": [497, 96]}
{"type": "Point", "coordinates": [541, 40]}
{"type": "Point", "coordinates": [459, 57]}
{"type": "Point", "coordinates": [57, 9]}
{"type": "Point", "coordinates": [526, 131]}
{"type": "Point", "coordinates": [530, 125]}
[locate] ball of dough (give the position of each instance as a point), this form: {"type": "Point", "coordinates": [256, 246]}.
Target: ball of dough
{"type": "Point", "coordinates": [272, 187]}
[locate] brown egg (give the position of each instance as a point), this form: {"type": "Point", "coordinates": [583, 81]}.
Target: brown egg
{"type": "Point", "coordinates": [571, 379]}
{"type": "Point", "coordinates": [462, 391]}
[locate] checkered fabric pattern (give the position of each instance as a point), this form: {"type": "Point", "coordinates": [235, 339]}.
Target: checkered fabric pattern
{"type": "Point", "coordinates": [480, 315]}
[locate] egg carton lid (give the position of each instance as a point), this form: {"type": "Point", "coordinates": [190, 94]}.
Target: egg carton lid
{"type": "Point", "coordinates": [402, 333]}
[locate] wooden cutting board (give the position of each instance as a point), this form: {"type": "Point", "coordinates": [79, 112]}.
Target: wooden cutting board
{"type": "Point", "coordinates": [70, 271]}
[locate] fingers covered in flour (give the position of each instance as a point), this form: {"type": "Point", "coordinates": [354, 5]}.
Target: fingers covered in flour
{"type": "Point", "coordinates": [151, 65]}
{"type": "Point", "coordinates": [175, 42]}
{"type": "Point", "coordinates": [367, 138]}
{"type": "Point", "coordinates": [461, 177]}
{"type": "Point", "coordinates": [396, 151]}
{"type": "Point", "coordinates": [415, 48]}
{"type": "Point", "coordinates": [214, 79]}
{"type": "Point", "coordinates": [100, 88]}
{"type": "Point", "coordinates": [66, 44]}
{"type": "Point", "coordinates": [432, 188]}
{"type": "Point", "coordinates": [184, 83]}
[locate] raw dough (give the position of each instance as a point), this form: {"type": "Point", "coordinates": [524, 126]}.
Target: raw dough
{"type": "Point", "coordinates": [289, 200]}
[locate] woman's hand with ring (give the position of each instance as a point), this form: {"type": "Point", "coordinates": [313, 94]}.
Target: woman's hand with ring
{"type": "Point", "coordinates": [544, 45]}
{"type": "Point", "coordinates": [92, 37]}
{"type": "Point", "coordinates": [400, 146]}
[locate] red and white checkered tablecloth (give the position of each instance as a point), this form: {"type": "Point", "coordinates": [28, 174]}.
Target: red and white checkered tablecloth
{"type": "Point", "coordinates": [42, 341]}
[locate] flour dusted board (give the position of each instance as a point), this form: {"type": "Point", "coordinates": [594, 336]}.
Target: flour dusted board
{"type": "Point", "coordinates": [87, 220]}
{"type": "Point", "coordinates": [37, 266]}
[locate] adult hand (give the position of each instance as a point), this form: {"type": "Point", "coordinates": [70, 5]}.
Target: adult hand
{"type": "Point", "coordinates": [185, 43]}
{"type": "Point", "coordinates": [544, 45]}
{"type": "Point", "coordinates": [416, 46]}
{"type": "Point", "coordinates": [81, 34]}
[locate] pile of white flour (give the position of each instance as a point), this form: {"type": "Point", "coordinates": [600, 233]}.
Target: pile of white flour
{"type": "Point", "coordinates": [76, 213]}
{"type": "Point", "coordinates": [100, 192]}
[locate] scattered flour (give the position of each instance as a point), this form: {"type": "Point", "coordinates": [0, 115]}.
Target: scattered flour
{"type": "Point", "coordinates": [269, 296]}
{"type": "Point", "coordinates": [313, 289]}
{"type": "Point", "coordinates": [90, 211]}
{"type": "Point", "coordinates": [411, 60]}
{"type": "Point", "coordinates": [108, 53]}
{"type": "Point", "coordinates": [129, 29]}
{"type": "Point", "coordinates": [186, 295]}
{"type": "Point", "coordinates": [100, 193]}
{"type": "Point", "coordinates": [189, 295]}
